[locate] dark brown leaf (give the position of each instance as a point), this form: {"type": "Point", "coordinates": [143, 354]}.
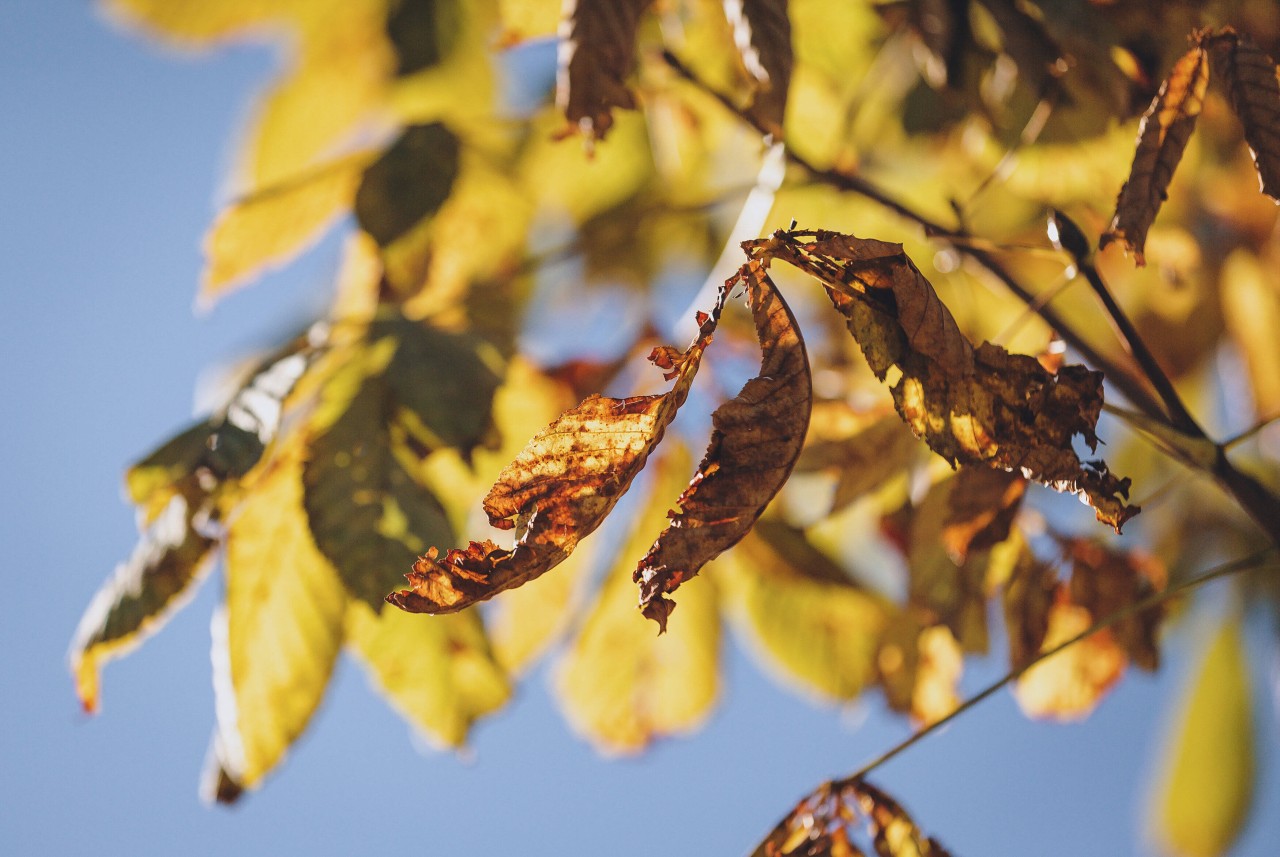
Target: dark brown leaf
{"type": "Point", "coordinates": [1105, 580]}
{"type": "Point", "coordinates": [762, 31]}
{"type": "Point", "coordinates": [755, 442]}
{"type": "Point", "coordinates": [1028, 597]}
{"type": "Point", "coordinates": [971, 405]}
{"type": "Point", "coordinates": [559, 488]}
{"type": "Point", "coordinates": [1255, 94]}
{"type": "Point", "coordinates": [983, 505]}
{"type": "Point", "coordinates": [597, 53]}
{"type": "Point", "coordinates": [1162, 136]}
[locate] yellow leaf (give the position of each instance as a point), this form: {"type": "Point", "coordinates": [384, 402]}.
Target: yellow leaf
{"type": "Point", "coordinates": [270, 227]}
{"type": "Point", "coordinates": [194, 22]}
{"type": "Point", "coordinates": [1251, 304]}
{"type": "Point", "coordinates": [438, 672]}
{"type": "Point", "coordinates": [1069, 685]}
{"type": "Point", "coordinates": [279, 633]}
{"type": "Point", "coordinates": [621, 685]}
{"type": "Point", "coordinates": [1205, 786]}
{"type": "Point", "coordinates": [528, 19]}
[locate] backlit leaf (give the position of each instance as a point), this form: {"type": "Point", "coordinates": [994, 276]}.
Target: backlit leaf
{"type": "Point", "coordinates": [1104, 581]}
{"type": "Point", "coordinates": [863, 456]}
{"type": "Point", "coordinates": [983, 503]}
{"type": "Point", "coordinates": [762, 32]}
{"type": "Point", "coordinates": [440, 675]}
{"type": "Point", "coordinates": [139, 598]}
{"type": "Point", "coordinates": [278, 635]}
{"type": "Point", "coordinates": [273, 225]}
{"type": "Point", "coordinates": [1162, 136]}
{"type": "Point", "coordinates": [597, 54]}
{"type": "Point", "coordinates": [1070, 684]}
{"type": "Point", "coordinates": [919, 667]}
{"type": "Point", "coordinates": [1028, 597]}
{"type": "Point", "coordinates": [621, 685]}
{"type": "Point", "coordinates": [194, 22]}
{"type": "Point", "coordinates": [755, 441]}
{"type": "Point", "coordinates": [410, 181]}
{"type": "Point", "coordinates": [971, 405]}
{"type": "Point", "coordinates": [1205, 785]}
{"type": "Point", "coordinates": [1255, 95]}
{"type": "Point", "coordinates": [1251, 306]}
{"type": "Point", "coordinates": [558, 489]}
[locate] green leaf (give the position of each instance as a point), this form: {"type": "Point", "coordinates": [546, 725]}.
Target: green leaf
{"type": "Point", "coordinates": [410, 181]}
{"type": "Point", "coordinates": [1205, 787]}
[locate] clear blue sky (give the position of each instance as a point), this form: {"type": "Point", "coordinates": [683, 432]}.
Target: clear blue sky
{"type": "Point", "coordinates": [111, 153]}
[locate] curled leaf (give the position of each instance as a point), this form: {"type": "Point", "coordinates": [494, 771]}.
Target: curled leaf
{"type": "Point", "coordinates": [971, 405]}
{"type": "Point", "coordinates": [756, 439]}
{"type": "Point", "coordinates": [559, 489]}
{"type": "Point", "coordinates": [1255, 95]}
{"type": "Point", "coordinates": [597, 53]}
{"type": "Point", "coordinates": [1162, 136]}
{"type": "Point", "coordinates": [762, 32]}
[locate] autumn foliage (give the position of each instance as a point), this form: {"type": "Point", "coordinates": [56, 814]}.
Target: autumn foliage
{"type": "Point", "coordinates": [888, 356]}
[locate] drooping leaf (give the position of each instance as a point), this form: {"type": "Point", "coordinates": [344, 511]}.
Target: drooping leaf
{"type": "Point", "coordinates": [1251, 310]}
{"type": "Point", "coordinates": [1028, 598]}
{"type": "Point", "coordinates": [849, 818]}
{"type": "Point", "coordinates": [278, 634]}
{"type": "Point", "coordinates": [271, 226]}
{"type": "Point", "coordinates": [620, 685]}
{"type": "Point", "coordinates": [762, 32]}
{"type": "Point", "coordinates": [863, 456]}
{"type": "Point", "coordinates": [983, 503]}
{"type": "Point", "coordinates": [558, 489]}
{"type": "Point", "coordinates": [755, 441]}
{"type": "Point", "coordinates": [1255, 95]}
{"type": "Point", "coordinates": [1162, 136]}
{"type": "Point", "coordinates": [1205, 786]}
{"type": "Point", "coordinates": [138, 599]}
{"type": "Point", "coordinates": [919, 666]}
{"type": "Point", "coordinates": [597, 54]}
{"type": "Point", "coordinates": [803, 612]}
{"type": "Point", "coordinates": [440, 675]}
{"type": "Point", "coordinates": [971, 405]}
{"type": "Point", "coordinates": [1104, 581]}
{"type": "Point", "coordinates": [410, 181]}
{"type": "Point", "coordinates": [1070, 684]}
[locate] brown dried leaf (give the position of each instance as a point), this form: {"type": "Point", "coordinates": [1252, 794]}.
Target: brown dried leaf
{"type": "Point", "coordinates": [863, 456]}
{"type": "Point", "coordinates": [971, 405]}
{"type": "Point", "coordinates": [1162, 136]}
{"type": "Point", "coordinates": [1251, 78]}
{"type": "Point", "coordinates": [755, 442]}
{"type": "Point", "coordinates": [983, 503]}
{"type": "Point", "coordinates": [762, 32]}
{"type": "Point", "coordinates": [849, 817]}
{"type": "Point", "coordinates": [1104, 581]}
{"type": "Point", "coordinates": [597, 53]}
{"type": "Point", "coordinates": [1069, 685]}
{"type": "Point", "coordinates": [1028, 597]}
{"type": "Point", "coordinates": [560, 487]}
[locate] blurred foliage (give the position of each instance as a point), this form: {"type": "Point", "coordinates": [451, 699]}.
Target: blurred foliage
{"type": "Point", "coordinates": [516, 239]}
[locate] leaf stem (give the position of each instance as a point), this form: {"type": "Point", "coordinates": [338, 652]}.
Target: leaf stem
{"type": "Point", "coordinates": [1224, 570]}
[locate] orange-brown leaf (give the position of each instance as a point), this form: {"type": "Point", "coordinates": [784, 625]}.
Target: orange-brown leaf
{"type": "Point", "coordinates": [1028, 597]}
{"type": "Point", "coordinates": [755, 442]}
{"type": "Point", "coordinates": [971, 405]}
{"type": "Point", "coordinates": [1071, 683]}
{"type": "Point", "coordinates": [1255, 95]}
{"type": "Point", "coordinates": [983, 503]}
{"type": "Point", "coordinates": [1104, 581]}
{"type": "Point", "coordinates": [560, 487]}
{"type": "Point", "coordinates": [597, 53]}
{"type": "Point", "coordinates": [1162, 136]}
{"type": "Point", "coordinates": [762, 32]}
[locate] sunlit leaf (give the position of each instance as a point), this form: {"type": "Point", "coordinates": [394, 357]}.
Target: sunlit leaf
{"type": "Point", "coordinates": [440, 675]}
{"type": "Point", "coordinates": [983, 503]}
{"type": "Point", "coordinates": [558, 489]}
{"type": "Point", "coordinates": [1251, 306]}
{"type": "Point", "coordinates": [528, 19]}
{"type": "Point", "coordinates": [278, 634]}
{"type": "Point", "coordinates": [755, 441]}
{"type": "Point", "coordinates": [1255, 95]}
{"type": "Point", "coordinates": [1028, 597]}
{"type": "Point", "coordinates": [1070, 684]}
{"type": "Point", "coordinates": [271, 226]}
{"type": "Point", "coordinates": [621, 685]}
{"type": "Point", "coordinates": [1104, 581]}
{"type": "Point", "coordinates": [1205, 787]}
{"type": "Point", "coordinates": [194, 22]}
{"type": "Point", "coordinates": [410, 181]}
{"type": "Point", "coordinates": [971, 405]}
{"type": "Point", "coordinates": [597, 54]}
{"type": "Point", "coordinates": [762, 32]}
{"type": "Point", "coordinates": [864, 456]}
{"type": "Point", "coordinates": [919, 666]}
{"type": "Point", "coordinates": [1166, 127]}
{"type": "Point", "coordinates": [803, 612]}
{"type": "Point", "coordinates": [139, 598]}
{"type": "Point", "coordinates": [155, 480]}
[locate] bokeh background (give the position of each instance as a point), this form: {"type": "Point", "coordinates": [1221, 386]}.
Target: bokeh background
{"type": "Point", "coordinates": [111, 153]}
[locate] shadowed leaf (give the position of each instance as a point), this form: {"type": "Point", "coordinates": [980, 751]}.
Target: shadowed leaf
{"type": "Point", "coordinates": [1162, 136]}
{"type": "Point", "coordinates": [559, 488]}
{"type": "Point", "coordinates": [1028, 597]}
{"type": "Point", "coordinates": [410, 181]}
{"type": "Point", "coordinates": [983, 503]}
{"type": "Point", "coordinates": [1255, 95]}
{"type": "Point", "coordinates": [971, 405]}
{"type": "Point", "coordinates": [1104, 581]}
{"type": "Point", "coordinates": [597, 54]}
{"type": "Point", "coordinates": [755, 441]}
{"type": "Point", "coordinates": [762, 32]}
{"type": "Point", "coordinates": [1205, 786]}
{"type": "Point", "coordinates": [864, 457]}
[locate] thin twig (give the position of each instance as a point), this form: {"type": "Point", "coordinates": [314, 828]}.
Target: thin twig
{"type": "Point", "coordinates": [1250, 432]}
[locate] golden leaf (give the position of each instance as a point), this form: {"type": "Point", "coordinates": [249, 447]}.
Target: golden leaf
{"type": "Point", "coordinates": [1070, 684]}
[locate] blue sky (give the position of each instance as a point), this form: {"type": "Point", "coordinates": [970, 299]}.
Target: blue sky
{"type": "Point", "coordinates": [113, 153]}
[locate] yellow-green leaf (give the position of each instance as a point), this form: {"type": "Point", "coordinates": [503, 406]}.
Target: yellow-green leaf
{"type": "Point", "coordinates": [439, 673]}
{"type": "Point", "coordinates": [279, 632]}
{"type": "Point", "coordinates": [1205, 785]}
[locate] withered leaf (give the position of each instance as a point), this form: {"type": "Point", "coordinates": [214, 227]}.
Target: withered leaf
{"type": "Point", "coordinates": [596, 54]}
{"type": "Point", "coordinates": [1105, 580]}
{"type": "Point", "coordinates": [971, 405]}
{"type": "Point", "coordinates": [839, 818]}
{"type": "Point", "coordinates": [1162, 136]}
{"type": "Point", "coordinates": [863, 457]}
{"type": "Point", "coordinates": [1255, 95]}
{"type": "Point", "coordinates": [755, 441]}
{"type": "Point", "coordinates": [559, 489]}
{"type": "Point", "coordinates": [1028, 597]}
{"type": "Point", "coordinates": [1071, 683]}
{"type": "Point", "coordinates": [762, 32]}
{"type": "Point", "coordinates": [983, 503]}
